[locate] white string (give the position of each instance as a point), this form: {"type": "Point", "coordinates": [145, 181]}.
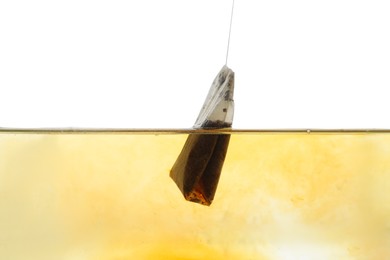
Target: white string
{"type": "Point", "coordinates": [230, 31]}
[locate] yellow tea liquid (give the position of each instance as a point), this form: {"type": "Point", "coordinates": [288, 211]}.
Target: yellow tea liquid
{"type": "Point", "coordinates": [108, 195]}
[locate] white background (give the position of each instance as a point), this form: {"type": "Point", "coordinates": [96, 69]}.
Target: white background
{"type": "Point", "coordinates": [150, 63]}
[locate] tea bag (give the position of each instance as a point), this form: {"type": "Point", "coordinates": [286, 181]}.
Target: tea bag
{"type": "Point", "coordinates": [198, 167]}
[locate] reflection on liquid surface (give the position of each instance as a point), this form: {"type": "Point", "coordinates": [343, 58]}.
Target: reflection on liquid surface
{"type": "Point", "coordinates": [109, 196]}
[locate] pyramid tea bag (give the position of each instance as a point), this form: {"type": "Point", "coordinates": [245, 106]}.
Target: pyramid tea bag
{"type": "Point", "coordinates": [198, 167]}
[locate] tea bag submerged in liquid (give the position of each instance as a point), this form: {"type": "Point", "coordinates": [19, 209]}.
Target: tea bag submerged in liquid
{"type": "Point", "coordinates": [198, 167]}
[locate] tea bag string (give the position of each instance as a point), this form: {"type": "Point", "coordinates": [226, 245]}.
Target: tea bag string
{"type": "Point", "coordinates": [230, 31]}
